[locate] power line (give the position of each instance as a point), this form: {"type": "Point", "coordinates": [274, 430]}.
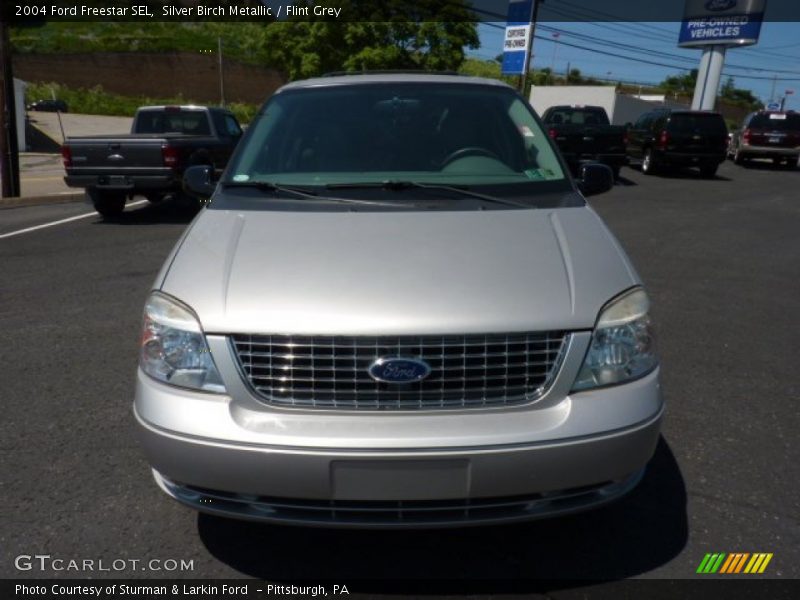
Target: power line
{"type": "Point", "coordinates": [592, 13]}
{"type": "Point", "coordinates": [660, 64]}
{"type": "Point", "coordinates": [659, 53]}
{"type": "Point", "coordinates": [587, 17]}
{"type": "Point", "coordinates": [604, 42]}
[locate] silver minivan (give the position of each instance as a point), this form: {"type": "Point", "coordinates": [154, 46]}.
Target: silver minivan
{"type": "Point", "coordinates": [397, 310]}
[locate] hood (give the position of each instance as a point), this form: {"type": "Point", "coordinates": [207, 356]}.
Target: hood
{"type": "Point", "coordinates": [397, 273]}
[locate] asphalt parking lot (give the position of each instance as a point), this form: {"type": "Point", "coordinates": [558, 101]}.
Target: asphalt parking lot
{"type": "Point", "coordinates": [721, 260]}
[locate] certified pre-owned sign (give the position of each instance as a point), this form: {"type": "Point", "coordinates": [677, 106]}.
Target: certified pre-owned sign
{"type": "Point", "coordinates": [715, 22]}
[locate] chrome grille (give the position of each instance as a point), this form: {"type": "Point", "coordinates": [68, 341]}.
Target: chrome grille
{"type": "Point", "coordinates": [330, 372]}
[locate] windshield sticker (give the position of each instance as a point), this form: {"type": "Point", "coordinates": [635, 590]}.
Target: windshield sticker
{"type": "Point", "coordinates": [241, 177]}
{"type": "Point", "coordinates": [526, 131]}
{"type": "Point", "coordinates": [778, 116]}
{"type": "Point", "coordinates": [535, 174]}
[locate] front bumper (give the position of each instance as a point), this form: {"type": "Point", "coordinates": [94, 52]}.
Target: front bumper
{"type": "Point", "coordinates": [398, 513]}
{"type": "Point", "coordinates": [230, 454]}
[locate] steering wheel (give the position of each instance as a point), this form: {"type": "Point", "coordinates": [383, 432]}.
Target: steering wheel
{"type": "Point", "coordinates": [468, 151]}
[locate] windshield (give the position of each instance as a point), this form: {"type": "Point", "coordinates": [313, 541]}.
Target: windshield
{"type": "Point", "coordinates": [172, 121]}
{"type": "Point", "coordinates": [444, 134]}
{"type": "Point", "coordinates": [776, 122]}
{"type": "Point", "coordinates": [697, 123]}
{"type": "Point", "coordinates": [577, 116]}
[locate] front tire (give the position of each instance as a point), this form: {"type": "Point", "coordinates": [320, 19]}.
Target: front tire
{"type": "Point", "coordinates": [108, 204]}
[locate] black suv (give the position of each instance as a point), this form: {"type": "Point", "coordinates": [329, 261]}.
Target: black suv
{"type": "Point", "coordinates": [48, 106]}
{"type": "Point", "coordinates": [681, 138]}
{"type": "Point", "coordinates": [767, 134]}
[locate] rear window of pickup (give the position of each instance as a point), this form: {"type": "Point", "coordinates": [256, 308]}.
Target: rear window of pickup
{"type": "Point", "coordinates": [187, 122]}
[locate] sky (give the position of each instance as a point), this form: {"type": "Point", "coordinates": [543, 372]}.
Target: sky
{"type": "Point", "coordinates": [777, 54]}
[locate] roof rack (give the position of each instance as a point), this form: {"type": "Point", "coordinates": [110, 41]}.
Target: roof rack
{"type": "Point", "coordinates": [389, 72]}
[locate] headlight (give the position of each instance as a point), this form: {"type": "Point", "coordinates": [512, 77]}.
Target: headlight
{"type": "Point", "coordinates": [622, 346]}
{"type": "Point", "coordinates": [174, 349]}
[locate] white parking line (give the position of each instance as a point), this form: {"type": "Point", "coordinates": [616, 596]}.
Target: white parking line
{"type": "Point", "coordinates": [60, 221]}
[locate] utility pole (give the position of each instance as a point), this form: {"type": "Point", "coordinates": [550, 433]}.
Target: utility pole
{"type": "Point", "coordinates": [221, 76]}
{"type": "Point", "coordinates": [523, 79]}
{"type": "Point", "coordinates": [9, 155]}
{"type": "Point", "coordinates": [555, 35]}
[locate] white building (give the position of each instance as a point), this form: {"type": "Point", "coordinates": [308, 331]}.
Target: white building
{"type": "Point", "coordinates": [621, 108]}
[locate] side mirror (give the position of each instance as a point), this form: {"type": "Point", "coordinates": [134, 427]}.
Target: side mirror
{"type": "Point", "coordinates": [197, 181]}
{"type": "Point", "coordinates": [595, 179]}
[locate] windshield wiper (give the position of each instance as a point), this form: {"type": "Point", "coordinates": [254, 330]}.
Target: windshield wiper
{"type": "Point", "coordinates": [268, 186]}
{"type": "Point", "coordinates": [395, 185]}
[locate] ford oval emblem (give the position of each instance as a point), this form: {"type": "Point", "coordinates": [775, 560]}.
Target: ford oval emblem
{"type": "Point", "coordinates": [399, 370]}
{"type": "Point", "coordinates": [719, 5]}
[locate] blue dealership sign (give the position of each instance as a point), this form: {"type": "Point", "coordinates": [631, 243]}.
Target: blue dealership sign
{"type": "Point", "coordinates": [518, 30]}
{"type": "Point", "coordinates": [727, 22]}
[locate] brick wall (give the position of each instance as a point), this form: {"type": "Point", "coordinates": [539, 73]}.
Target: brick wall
{"type": "Point", "coordinates": [195, 76]}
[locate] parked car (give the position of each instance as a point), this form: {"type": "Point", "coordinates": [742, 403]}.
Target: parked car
{"type": "Point", "coordinates": [397, 310]}
{"type": "Point", "coordinates": [48, 106]}
{"type": "Point", "coordinates": [150, 161]}
{"type": "Point", "coordinates": [584, 133]}
{"type": "Point", "coordinates": [767, 134]}
{"type": "Point", "coordinates": [678, 138]}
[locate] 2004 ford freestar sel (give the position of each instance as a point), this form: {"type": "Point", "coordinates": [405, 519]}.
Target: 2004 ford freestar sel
{"type": "Point", "coordinates": [397, 310]}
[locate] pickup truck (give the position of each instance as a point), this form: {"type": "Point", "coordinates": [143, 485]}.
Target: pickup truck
{"type": "Point", "coordinates": [150, 161]}
{"type": "Point", "coordinates": [584, 133]}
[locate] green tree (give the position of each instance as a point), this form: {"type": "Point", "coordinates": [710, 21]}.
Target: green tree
{"type": "Point", "coordinates": [542, 77]}
{"type": "Point", "coordinates": [728, 88]}
{"type": "Point", "coordinates": [680, 83]}
{"type": "Point", "coordinates": [575, 76]}
{"type": "Point", "coordinates": [394, 34]}
{"type": "Point", "coordinates": [737, 96]}
{"type": "Point", "coordinates": [475, 67]}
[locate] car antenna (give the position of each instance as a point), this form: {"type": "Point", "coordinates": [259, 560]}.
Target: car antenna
{"type": "Point", "coordinates": [61, 125]}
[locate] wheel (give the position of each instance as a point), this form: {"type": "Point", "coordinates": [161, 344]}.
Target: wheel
{"type": "Point", "coordinates": [467, 151]}
{"type": "Point", "coordinates": [649, 166]}
{"type": "Point", "coordinates": [739, 158]}
{"type": "Point", "coordinates": [108, 204]}
{"type": "Point", "coordinates": [709, 170]}
{"type": "Point", "coordinates": [615, 171]}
